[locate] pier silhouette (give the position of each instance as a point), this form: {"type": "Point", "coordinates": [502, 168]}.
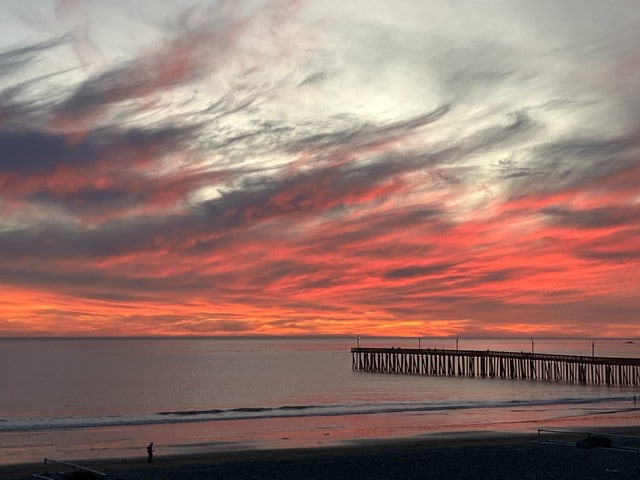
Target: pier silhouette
{"type": "Point", "coordinates": [495, 364]}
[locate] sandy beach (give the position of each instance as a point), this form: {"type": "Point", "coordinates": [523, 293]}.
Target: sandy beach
{"type": "Point", "coordinates": [474, 455]}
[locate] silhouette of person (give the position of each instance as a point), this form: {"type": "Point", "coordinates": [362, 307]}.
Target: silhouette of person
{"type": "Point", "coordinates": [150, 453]}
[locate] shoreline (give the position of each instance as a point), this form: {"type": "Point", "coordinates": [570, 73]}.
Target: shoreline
{"type": "Point", "coordinates": [446, 449]}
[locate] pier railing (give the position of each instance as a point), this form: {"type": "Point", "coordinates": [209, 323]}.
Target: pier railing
{"type": "Point", "coordinates": [495, 364]}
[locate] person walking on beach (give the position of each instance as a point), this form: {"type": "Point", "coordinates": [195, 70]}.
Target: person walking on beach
{"type": "Point", "coordinates": [150, 453]}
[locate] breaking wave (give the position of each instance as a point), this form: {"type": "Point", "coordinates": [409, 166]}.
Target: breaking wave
{"type": "Point", "coordinates": [247, 413]}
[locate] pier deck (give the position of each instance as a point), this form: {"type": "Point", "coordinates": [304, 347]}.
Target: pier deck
{"type": "Point", "coordinates": [495, 364]}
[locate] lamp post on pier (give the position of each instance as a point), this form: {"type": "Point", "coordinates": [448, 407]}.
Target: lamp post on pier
{"type": "Point", "coordinates": [532, 346]}
{"type": "Point", "coordinates": [358, 341]}
{"type": "Point", "coordinates": [457, 341]}
{"type": "Point", "coordinates": [418, 343]}
{"type": "Point", "coordinates": [593, 349]}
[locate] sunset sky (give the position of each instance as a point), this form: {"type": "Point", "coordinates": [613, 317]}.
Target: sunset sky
{"type": "Point", "coordinates": [323, 167]}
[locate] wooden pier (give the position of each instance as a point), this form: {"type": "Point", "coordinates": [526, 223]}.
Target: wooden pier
{"type": "Point", "coordinates": [492, 364]}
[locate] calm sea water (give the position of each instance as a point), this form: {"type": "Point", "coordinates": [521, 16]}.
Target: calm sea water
{"type": "Point", "coordinates": [97, 398]}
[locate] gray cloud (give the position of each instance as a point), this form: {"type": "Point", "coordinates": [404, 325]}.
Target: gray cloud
{"type": "Point", "coordinates": [364, 134]}
{"type": "Point", "coordinates": [13, 59]}
{"type": "Point", "coordinates": [87, 201]}
{"type": "Point", "coordinates": [602, 217]}
{"type": "Point", "coordinates": [419, 271]}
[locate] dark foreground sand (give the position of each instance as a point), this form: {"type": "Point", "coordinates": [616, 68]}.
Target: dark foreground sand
{"type": "Point", "coordinates": [477, 457]}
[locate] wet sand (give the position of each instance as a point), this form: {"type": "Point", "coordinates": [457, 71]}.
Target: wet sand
{"type": "Point", "coordinates": [472, 455]}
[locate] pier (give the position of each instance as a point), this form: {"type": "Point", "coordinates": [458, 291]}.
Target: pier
{"type": "Point", "coordinates": [493, 364]}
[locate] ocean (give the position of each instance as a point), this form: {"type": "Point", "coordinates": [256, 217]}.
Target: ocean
{"type": "Point", "coordinates": [96, 398]}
